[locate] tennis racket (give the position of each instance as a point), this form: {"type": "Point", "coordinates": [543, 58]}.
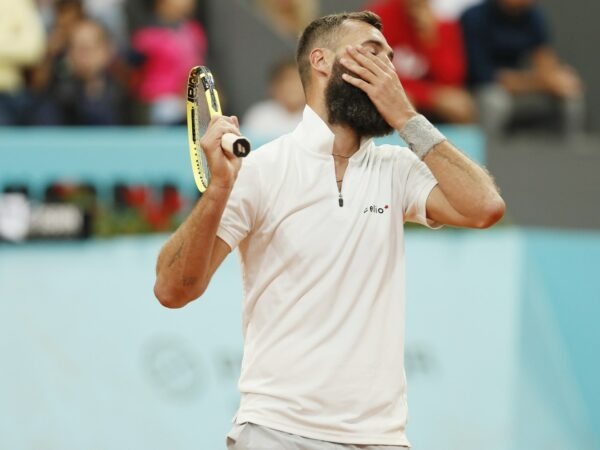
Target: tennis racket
{"type": "Point", "coordinates": [202, 105]}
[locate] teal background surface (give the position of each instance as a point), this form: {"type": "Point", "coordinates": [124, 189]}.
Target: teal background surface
{"type": "Point", "coordinates": [134, 155]}
{"type": "Point", "coordinates": [501, 345]}
{"type": "Point", "coordinates": [502, 335]}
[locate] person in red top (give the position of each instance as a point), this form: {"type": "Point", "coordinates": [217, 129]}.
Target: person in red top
{"type": "Point", "coordinates": [168, 48]}
{"type": "Point", "coordinates": [429, 58]}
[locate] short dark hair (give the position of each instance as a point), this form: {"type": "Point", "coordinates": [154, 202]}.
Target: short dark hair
{"type": "Point", "coordinates": [321, 31]}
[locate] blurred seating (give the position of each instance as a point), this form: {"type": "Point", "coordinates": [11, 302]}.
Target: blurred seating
{"type": "Point", "coordinates": [429, 58]}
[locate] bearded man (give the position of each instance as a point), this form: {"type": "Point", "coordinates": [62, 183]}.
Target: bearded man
{"type": "Point", "coordinates": [318, 217]}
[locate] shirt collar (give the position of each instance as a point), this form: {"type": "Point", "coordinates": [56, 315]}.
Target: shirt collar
{"type": "Point", "coordinates": [315, 136]}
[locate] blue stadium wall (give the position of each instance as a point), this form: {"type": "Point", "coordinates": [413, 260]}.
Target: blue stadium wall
{"type": "Point", "coordinates": [502, 332]}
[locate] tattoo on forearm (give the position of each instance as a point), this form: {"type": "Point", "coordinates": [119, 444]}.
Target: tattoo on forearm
{"type": "Point", "coordinates": [177, 255]}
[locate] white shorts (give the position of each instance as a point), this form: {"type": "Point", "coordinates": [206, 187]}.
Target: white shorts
{"type": "Point", "coordinates": [248, 436]}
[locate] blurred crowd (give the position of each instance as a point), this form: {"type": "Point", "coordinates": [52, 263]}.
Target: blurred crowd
{"type": "Point", "coordinates": [113, 62]}
{"type": "Point", "coordinates": [96, 62]}
{"type": "Point", "coordinates": [495, 64]}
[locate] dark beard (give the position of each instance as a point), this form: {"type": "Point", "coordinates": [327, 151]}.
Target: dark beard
{"type": "Point", "coordinates": [348, 105]}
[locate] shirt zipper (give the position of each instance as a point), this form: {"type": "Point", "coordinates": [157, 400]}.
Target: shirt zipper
{"type": "Point", "coordinates": [340, 188]}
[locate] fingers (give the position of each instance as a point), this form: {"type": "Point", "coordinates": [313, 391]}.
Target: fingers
{"type": "Point", "coordinates": [359, 70]}
{"type": "Point", "coordinates": [361, 60]}
{"type": "Point", "coordinates": [218, 126]}
{"type": "Point", "coordinates": [369, 60]}
{"type": "Point", "coordinates": [358, 82]}
{"type": "Point", "coordinates": [368, 68]}
{"type": "Point", "coordinates": [368, 71]}
{"type": "Point", "coordinates": [233, 120]}
{"type": "Point", "coordinates": [385, 64]}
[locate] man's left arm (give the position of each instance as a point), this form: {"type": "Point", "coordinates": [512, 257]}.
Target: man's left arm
{"type": "Point", "coordinates": [466, 195]}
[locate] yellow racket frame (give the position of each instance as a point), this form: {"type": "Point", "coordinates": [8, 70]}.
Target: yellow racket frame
{"type": "Point", "coordinates": [198, 80]}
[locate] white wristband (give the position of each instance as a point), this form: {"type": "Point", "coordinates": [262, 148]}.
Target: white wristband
{"type": "Point", "coordinates": [420, 135]}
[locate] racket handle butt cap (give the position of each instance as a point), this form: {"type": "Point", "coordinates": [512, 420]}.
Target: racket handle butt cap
{"type": "Point", "coordinates": [236, 145]}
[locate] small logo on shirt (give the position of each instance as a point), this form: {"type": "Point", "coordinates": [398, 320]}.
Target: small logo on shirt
{"type": "Point", "coordinates": [374, 209]}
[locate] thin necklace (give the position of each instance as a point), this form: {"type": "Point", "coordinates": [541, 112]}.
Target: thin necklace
{"type": "Point", "coordinates": [341, 156]}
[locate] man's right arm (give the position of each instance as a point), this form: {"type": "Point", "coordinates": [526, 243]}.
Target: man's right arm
{"type": "Point", "coordinates": [190, 257]}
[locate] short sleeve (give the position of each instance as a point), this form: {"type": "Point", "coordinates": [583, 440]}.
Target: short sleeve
{"type": "Point", "coordinates": [241, 211]}
{"type": "Point", "coordinates": [419, 184]}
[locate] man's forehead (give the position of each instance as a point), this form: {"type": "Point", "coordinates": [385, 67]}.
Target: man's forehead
{"type": "Point", "coordinates": [356, 32]}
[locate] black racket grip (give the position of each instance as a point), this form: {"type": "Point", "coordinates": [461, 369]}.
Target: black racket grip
{"type": "Point", "coordinates": [236, 145]}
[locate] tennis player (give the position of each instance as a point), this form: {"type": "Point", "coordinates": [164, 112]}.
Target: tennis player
{"type": "Point", "coordinates": [318, 218]}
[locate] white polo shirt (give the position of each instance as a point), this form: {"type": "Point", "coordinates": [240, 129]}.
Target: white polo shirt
{"type": "Point", "coordinates": [323, 311]}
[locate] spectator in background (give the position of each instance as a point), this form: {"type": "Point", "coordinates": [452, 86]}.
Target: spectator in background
{"type": "Point", "coordinates": [63, 18]}
{"type": "Point", "coordinates": [168, 49]}
{"type": "Point", "coordinates": [429, 58]}
{"type": "Point", "coordinates": [517, 77]}
{"type": "Point", "coordinates": [67, 13]}
{"type": "Point", "coordinates": [282, 112]}
{"type": "Point", "coordinates": [21, 44]}
{"type": "Point", "coordinates": [87, 93]}
{"type": "Point", "coordinates": [289, 17]}
{"type": "Point", "coordinates": [111, 14]}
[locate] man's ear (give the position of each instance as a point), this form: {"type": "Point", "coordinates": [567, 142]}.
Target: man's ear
{"type": "Point", "coordinates": [321, 61]}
